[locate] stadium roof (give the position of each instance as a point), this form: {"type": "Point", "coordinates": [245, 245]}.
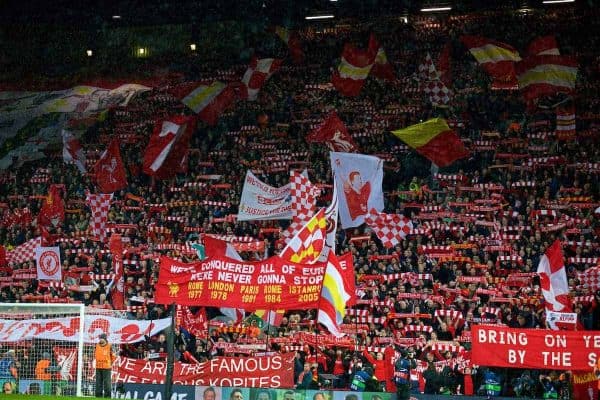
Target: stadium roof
{"type": "Point", "coordinates": [288, 12]}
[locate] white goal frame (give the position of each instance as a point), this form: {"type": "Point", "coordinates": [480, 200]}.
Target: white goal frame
{"type": "Point", "coordinates": [40, 311]}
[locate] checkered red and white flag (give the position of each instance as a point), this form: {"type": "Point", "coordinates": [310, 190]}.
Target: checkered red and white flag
{"type": "Point", "coordinates": [438, 92]}
{"type": "Point", "coordinates": [389, 228]}
{"type": "Point", "coordinates": [99, 204]}
{"type": "Point", "coordinates": [431, 83]}
{"type": "Point", "coordinates": [304, 199]}
{"type": "Point", "coordinates": [590, 278]}
{"type": "Point", "coordinates": [24, 252]}
{"type": "Point", "coordinates": [306, 246]}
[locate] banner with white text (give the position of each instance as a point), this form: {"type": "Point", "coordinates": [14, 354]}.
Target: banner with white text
{"type": "Point", "coordinates": [498, 346]}
{"type": "Point", "coordinates": [261, 202]}
{"type": "Point", "coordinates": [118, 330]}
{"type": "Point", "coordinates": [220, 281]}
{"type": "Point", "coordinates": [265, 371]}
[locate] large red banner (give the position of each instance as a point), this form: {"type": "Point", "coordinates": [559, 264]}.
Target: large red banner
{"type": "Point", "coordinates": [585, 385]}
{"type": "Point", "coordinates": [265, 372]}
{"type": "Point", "coordinates": [224, 282]}
{"type": "Point", "coordinates": [535, 348]}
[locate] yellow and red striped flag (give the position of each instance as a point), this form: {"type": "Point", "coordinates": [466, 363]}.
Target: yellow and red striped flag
{"type": "Point", "coordinates": [434, 140]}
{"type": "Point", "coordinates": [546, 75]}
{"type": "Point", "coordinates": [354, 68]}
{"type": "Point", "coordinates": [565, 123]}
{"type": "Point", "coordinates": [496, 58]}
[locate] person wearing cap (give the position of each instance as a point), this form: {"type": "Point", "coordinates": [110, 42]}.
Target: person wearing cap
{"type": "Point", "coordinates": [104, 359]}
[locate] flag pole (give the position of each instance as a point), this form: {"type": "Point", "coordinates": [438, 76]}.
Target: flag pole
{"type": "Point", "coordinates": [267, 331]}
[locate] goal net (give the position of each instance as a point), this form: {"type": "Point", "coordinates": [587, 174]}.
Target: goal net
{"type": "Point", "coordinates": [49, 348]}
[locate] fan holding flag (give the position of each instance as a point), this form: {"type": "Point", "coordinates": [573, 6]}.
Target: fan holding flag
{"type": "Point", "coordinates": [555, 288]}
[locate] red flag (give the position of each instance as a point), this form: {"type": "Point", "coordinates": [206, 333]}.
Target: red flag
{"type": "Point", "coordinates": [354, 68]}
{"type": "Point", "coordinates": [196, 324]}
{"type": "Point", "coordinates": [496, 58]}
{"type": "Point", "coordinates": [209, 101]}
{"type": "Point", "coordinates": [116, 249]}
{"type": "Point", "coordinates": [547, 75]}
{"type": "Point", "coordinates": [109, 169]}
{"type": "Point", "coordinates": [293, 41]}
{"type": "Point", "coordinates": [3, 262]}
{"type": "Point", "coordinates": [168, 146]}
{"type": "Point", "coordinates": [334, 134]}
{"type": "Point", "coordinates": [258, 72]}
{"type": "Point", "coordinates": [53, 209]}
{"type": "Point", "coordinates": [545, 45]}
{"type": "Point", "coordinates": [443, 64]}
{"type": "Point", "coordinates": [382, 68]}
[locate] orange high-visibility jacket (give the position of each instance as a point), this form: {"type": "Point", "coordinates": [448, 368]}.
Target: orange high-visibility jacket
{"type": "Point", "coordinates": [104, 356]}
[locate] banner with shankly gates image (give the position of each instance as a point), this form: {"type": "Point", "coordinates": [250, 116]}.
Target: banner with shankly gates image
{"type": "Point", "coordinates": [265, 371]}
{"type": "Point", "coordinates": [497, 346]}
{"type": "Point", "coordinates": [225, 282]}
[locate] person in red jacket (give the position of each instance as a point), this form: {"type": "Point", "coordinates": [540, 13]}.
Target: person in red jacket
{"type": "Point", "coordinates": [382, 363]}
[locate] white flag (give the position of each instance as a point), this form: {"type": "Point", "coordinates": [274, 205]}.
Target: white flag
{"type": "Point", "coordinates": [553, 279]}
{"type": "Point", "coordinates": [260, 201]}
{"type": "Point", "coordinates": [559, 320]}
{"type": "Point", "coordinates": [358, 179]}
{"type": "Point", "coordinates": [47, 260]}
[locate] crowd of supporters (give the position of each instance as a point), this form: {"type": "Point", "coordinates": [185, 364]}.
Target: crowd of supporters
{"type": "Point", "coordinates": [548, 189]}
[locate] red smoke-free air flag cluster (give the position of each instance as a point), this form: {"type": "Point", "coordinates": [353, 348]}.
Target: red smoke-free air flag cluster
{"type": "Point", "coordinates": [496, 58]}
{"type": "Point", "coordinates": [553, 279]}
{"type": "Point", "coordinates": [354, 68]}
{"type": "Point", "coordinates": [434, 140]}
{"type": "Point", "coordinates": [333, 133]}
{"type": "Point", "coordinates": [169, 144]}
{"type": "Point", "coordinates": [258, 72]}
{"type": "Point", "coordinates": [109, 169]}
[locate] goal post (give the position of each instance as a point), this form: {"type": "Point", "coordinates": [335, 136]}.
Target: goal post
{"type": "Point", "coordinates": [49, 348]}
{"type": "Point", "coordinates": [32, 337]}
